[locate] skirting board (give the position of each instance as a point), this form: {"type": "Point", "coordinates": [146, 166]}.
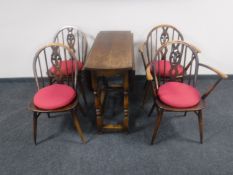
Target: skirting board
{"type": "Point", "coordinates": [137, 78]}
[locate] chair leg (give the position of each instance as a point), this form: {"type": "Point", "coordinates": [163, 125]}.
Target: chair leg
{"type": "Point", "coordinates": [82, 90]}
{"type": "Point", "coordinates": [88, 78]}
{"type": "Point", "coordinates": [35, 116]}
{"type": "Point", "coordinates": [200, 122]}
{"type": "Point", "coordinates": [147, 89]}
{"type": "Point", "coordinates": [157, 125]}
{"type": "Point", "coordinates": [77, 125]}
{"type": "Point", "coordinates": [151, 110]}
{"type": "Point", "coordinates": [145, 85]}
{"type": "Point", "coordinates": [81, 109]}
{"type": "Point", "coordinates": [48, 114]}
{"type": "Point", "coordinates": [131, 79]}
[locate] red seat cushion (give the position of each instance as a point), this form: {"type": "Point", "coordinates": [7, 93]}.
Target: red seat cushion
{"type": "Point", "coordinates": [54, 96]}
{"type": "Point", "coordinates": [163, 64]}
{"type": "Point", "coordinates": [66, 67]}
{"type": "Point", "coordinates": [179, 95]}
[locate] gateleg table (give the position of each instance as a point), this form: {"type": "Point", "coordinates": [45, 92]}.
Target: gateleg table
{"type": "Point", "coordinates": [111, 54]}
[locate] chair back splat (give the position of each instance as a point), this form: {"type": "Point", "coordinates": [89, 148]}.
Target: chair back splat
{"type": "Point", "coordinates": [180, 63]}
{"type": "Point", "coordinates": [158, 36]}
{"type": "Point", "coordinates": [75, 39]}
{"type": "Point", "coordinates": [61, 59]}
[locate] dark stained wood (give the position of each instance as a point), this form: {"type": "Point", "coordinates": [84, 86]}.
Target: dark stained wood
{"type": "Point", "coordinates": [98, 107]}
{"type": "Point", "coordinates": [77, 125]}
{"type": "Point", "coordinates": [157, 125]}
{"type": "Point", "coordinates": [32, 107]}
{"type": "Point", "coordinates": [158, 36]}
{"type": "Point", "coordinates": [200, 122]}
{"type": "Point", "coordinates": [76, 40]}
{"type": "Point", "coordinates": [111, 54]}
{"type": "Point", "coordinates": [81, 86]}
{"type": "Point", "coordinates": [111, 50]}
{"type": "Point", "coordinates": [35, 116]}
{"type": "Point", "coordinates": [126, 101]}
{"type": "Point", "coordinates": [199, 106]}
{"type": "Point", "coordinates": [53, 53]}
{"type": "Point", "coordinates": [179, 49]}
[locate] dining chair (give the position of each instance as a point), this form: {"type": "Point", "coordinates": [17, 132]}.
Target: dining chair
{"type": "Point", "coordinates": [76, 40]}
{"type": "Point", "coordinates": [158, 36]}
{"type": "Point", "coordinates": [179, 92]}
{"type": "Point", "coordinates": [56, 92]}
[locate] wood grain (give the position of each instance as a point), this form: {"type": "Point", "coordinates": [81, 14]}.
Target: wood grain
{"type": "Point", "coordinates": [111, 55]}
{"type": "Point", "coordinates": [111, 50]}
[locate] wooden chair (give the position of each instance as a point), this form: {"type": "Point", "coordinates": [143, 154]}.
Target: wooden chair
{"type": "Point", "coordinates": [76, 40]}
{"type": "Point", "coordinates": [158, 36]}
{"type": "Point", "coordinates": [178, 92]}
{"type": "Point", "coordinates": [56, 92]}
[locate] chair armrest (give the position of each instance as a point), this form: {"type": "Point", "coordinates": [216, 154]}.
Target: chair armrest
{"type": "Point", "coordinates": [152, 79]}
{"type": "Point", "coordinates": [149, 76]}
{"type": "Point", "coordinates": [221, 76]}
{"type": "Point", "coordinates": [219, 73]}
{"type": "Point", "coordinates": [198, 50]}
{"type": "Point", "coordinates": [144, 56]}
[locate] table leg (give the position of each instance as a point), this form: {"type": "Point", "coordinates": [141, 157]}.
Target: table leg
{"type": "Point", "coordinates": [126, 101]}
{"type": "Point", "coordinates": [96, 91]}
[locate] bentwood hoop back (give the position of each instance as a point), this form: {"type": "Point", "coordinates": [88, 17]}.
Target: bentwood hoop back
{"type": "Point", "coordinates": [157, 36]}
{"type": "Point", "coordinates": [180, 55]}
{"type": "Point", "coordinates": [76, 40]}
{"type": "Point", "coordinates": [49, 56]}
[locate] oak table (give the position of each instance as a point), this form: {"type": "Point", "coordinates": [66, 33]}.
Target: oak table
{"type": "Point", "coordinates": [111, 54]}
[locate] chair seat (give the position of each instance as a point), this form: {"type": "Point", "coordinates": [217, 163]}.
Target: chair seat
{"type": "Point", "coordinates": [163, 68]}
{"type": "Point", "coordinates": [54, 96]}
{"type": "Point", "coordinates": [67, 67]}
{"type": "Point", "coordinates": [179, 95]}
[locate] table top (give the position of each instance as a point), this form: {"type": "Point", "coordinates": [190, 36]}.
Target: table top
{"type": "Point", "coordinates": [111, 50]}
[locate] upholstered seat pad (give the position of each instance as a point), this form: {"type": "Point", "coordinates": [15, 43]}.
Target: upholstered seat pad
{"type": "Point", "coordinates": [54, 96]}
{"type": "Point", "coordinates": [179, 95]}
{"type": "Point", "coordinates": [67, 68]}
{"type": "Point", "coordinates": [163, 68]}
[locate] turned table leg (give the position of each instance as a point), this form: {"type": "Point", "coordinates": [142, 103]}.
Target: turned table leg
{"type": "Point", "coordinates": [99, 118]}
{"type": "Point", "coordinates": [126, 101]}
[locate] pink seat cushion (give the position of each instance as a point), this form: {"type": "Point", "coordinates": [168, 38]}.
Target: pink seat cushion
{"type": "Point", "coordinates": [179, 95]}
{"type": "Point", "coordinates": [54, 96]}
{"type": "Point", "coordinates": [66, 67]}
{"type": "Point", "coordinates": [163, 68]}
